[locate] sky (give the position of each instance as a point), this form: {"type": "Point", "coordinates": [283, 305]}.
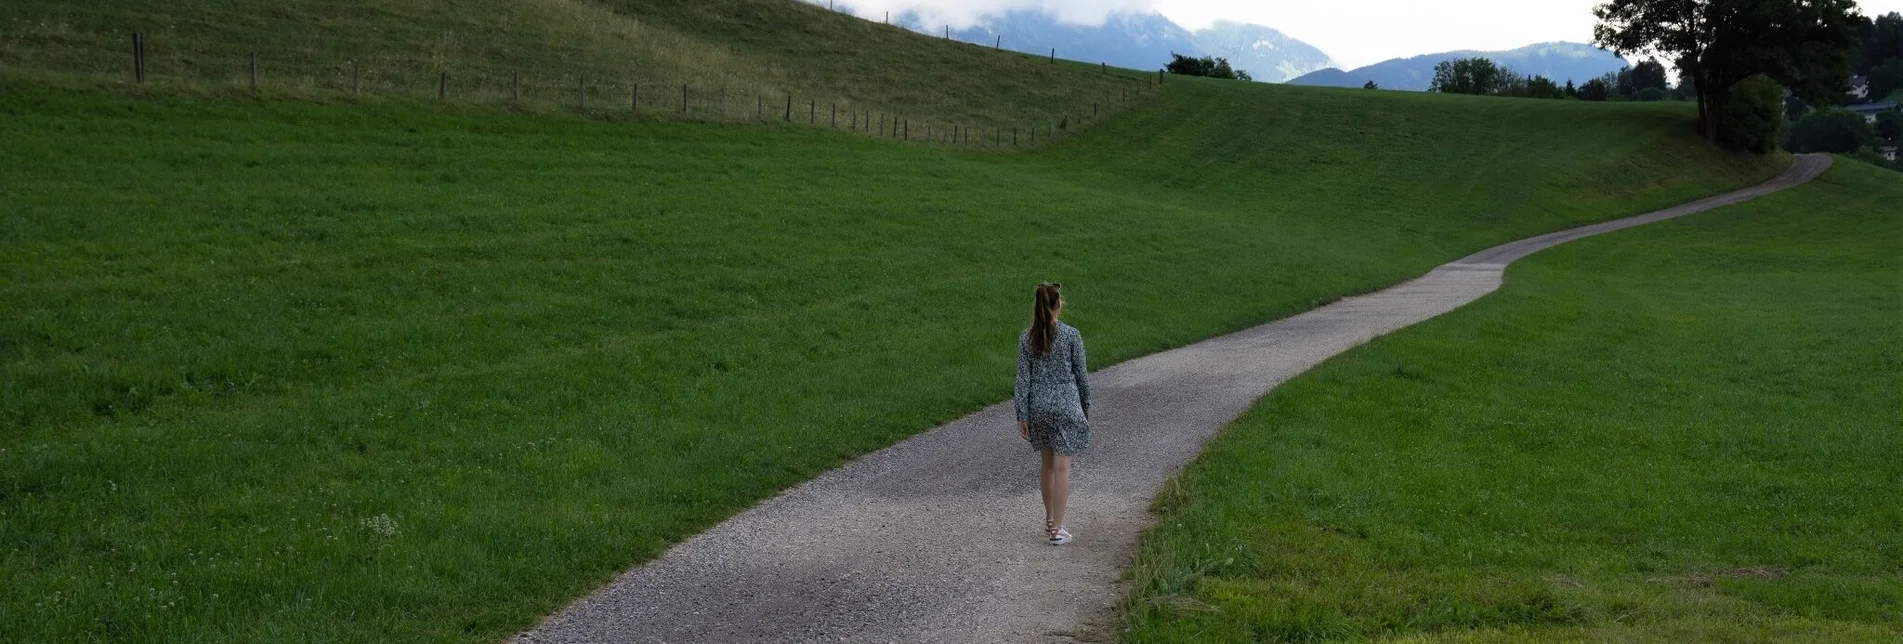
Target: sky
{"type": "Point", "coordinates": [1354, 32]}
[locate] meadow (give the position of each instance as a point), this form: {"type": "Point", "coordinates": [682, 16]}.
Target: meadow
{"type": "Point", "coordinates": [1680, 432]}
{"type": "Point", "coordinates": [318, 372]}
{"type": "Point", "coordinates": [301, 366]}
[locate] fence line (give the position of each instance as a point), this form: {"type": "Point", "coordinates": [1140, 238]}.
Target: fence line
{"type": "Point", "coordinates": [891, 124]}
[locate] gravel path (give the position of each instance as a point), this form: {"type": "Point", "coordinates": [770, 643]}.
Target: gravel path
{"type": "Point", "coordinates": [940, 537]}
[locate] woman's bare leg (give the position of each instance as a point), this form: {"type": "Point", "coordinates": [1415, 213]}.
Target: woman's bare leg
{"type": "Point", "coordinates": [1044, 479]}
{"type": "Point", "coordinates": [1060, 488]}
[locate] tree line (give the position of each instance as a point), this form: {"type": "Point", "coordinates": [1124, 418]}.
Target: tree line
{"type": "Point", "coordinates": [1645, 82]}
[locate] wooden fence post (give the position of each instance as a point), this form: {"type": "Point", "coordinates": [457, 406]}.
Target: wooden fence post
{"type": "Point", "coordinates": [515, 87]}
{"type": "Point", "coordinates": [999, 46]}
{"type": "Point", "coordinates": [759, 107]}
{"type": "Point", "coordinates": [835, 110]}
{"type": "Point", "coordinates": [789, 108]}
{"type": "Point", "coordinates": [442, 85]}
{"type": "Point", "coordinates": [1053, 54]}
{"type": "Point", "coordinates": [634, 97]}
{"type": "Point", "coordinates": [138, 57]}
{"type": "Point", "coordinates": [812, 111]}
{"type": "Point", "coordinates": [1014, 137]}
{"type": "Point", "coordinates": [254, 71]}
{"type": "Point", "coordinates": [683, 98]}
{"type": "Point", "coordinates": [723, 102]}
{"type": "Point", "coordinates": [908, 129]}
{"type": "Point", "coordinates": [355, 87]}
{"type": "Point", "coordinates": [1106, 67]}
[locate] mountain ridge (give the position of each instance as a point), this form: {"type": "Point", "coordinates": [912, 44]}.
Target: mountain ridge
{"type": "Point", "coordinates": [1557, 60]}
{"type": "Point", "coordinates": [1135, 40]}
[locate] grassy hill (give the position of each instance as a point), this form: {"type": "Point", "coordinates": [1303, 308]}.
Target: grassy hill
{"type": "Point", "coordinates": [358, 371]}
{"type": "Point", "coordinates": [1685, 432]}
{"type": "Point", "coordinates": [755, 50]}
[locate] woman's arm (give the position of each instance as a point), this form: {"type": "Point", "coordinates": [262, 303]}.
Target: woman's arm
{"type": "Point", "coordinates": [1080, 370]}
{"type": "Point", "coordinates": [1021, 394]}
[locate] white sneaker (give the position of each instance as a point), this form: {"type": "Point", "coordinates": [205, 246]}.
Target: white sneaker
{"type": "Point", "coordinates": [1061, 537]}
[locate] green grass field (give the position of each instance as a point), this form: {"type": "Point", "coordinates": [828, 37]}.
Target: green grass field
{"type": "Point", "coordinates": [1683, 432]}
{"type": "Point", "coordinates": [299, 368]}
{"type": "Point", "coordinates": [757, 51]}
{"type": "Point", "coordinates": [297, 372]}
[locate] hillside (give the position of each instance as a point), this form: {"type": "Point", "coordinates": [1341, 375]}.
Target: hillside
{"type": "Point", "coordinates": [1559, 61]}
{"type": "Point", "coordinates": [757, 51]}
{"type": "Point", "coordinates": [326, 370]}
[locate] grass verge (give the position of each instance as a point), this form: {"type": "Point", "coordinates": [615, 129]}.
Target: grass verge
{"type": "Point", "coordinates": [1680, 432]}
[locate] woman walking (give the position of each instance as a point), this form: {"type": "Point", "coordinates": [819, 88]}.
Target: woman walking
{"type": "Point", "coordinates": [1053, 401]}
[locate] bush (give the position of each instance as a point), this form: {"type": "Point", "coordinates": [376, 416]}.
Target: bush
{"type": "Point", "coordinates": [1207, 66]}
{"type": "Point", "coordinates": [1832, 129]}
{"type": "Point", "coordinates": [1890, 125]}
{"type": "Point", "coordinates": [1653, 94]}
{"type": "Point", "coordinates": [1753, 118]}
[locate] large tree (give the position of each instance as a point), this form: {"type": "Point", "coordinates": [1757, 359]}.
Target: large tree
{"type": "Point", "coordinates": [1802, 44]}
{"type": "Point", "coordinates": [1469, 76]}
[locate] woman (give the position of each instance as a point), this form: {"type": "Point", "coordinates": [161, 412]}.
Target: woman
{"type": "Point", "coordinates": [1053, 401]}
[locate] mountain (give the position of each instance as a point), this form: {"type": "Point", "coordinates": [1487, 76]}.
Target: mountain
{"type": "Point", "coordinates": [1560, 61]}
{"type": "Point", "coordinates": [1267, 54]}
{"type": "Point", "coordinates": [1139, 40]}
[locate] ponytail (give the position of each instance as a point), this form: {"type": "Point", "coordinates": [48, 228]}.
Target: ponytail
{"type": "Point", "coordinates": [1044, 317]}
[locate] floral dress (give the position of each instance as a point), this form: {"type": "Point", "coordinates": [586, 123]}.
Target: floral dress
{"type": "Point", "coordinates": [1053, 392]}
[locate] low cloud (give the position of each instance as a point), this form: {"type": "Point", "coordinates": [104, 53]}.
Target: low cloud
{"type": "Point", "coordinates": [965, 13]}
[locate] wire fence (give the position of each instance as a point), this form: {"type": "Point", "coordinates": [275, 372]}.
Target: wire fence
{"type": "Point", "coordinates": [731, 98]}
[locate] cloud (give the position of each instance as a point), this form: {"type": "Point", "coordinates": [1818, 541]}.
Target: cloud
{"type": "Point", "coordinates": [965, 13]}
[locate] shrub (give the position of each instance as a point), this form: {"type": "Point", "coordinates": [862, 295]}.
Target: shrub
{"type": "Point", "coordinates": [1890, 125]}
{"type": "Point", "coordinates": [1832, 129]}
{"type": "Point", "coordinates": [1207, 66]}
{"type": "Point", "coordinates": [1653, 94]}
{"type": "Point", "coordinates": [1753, 118]}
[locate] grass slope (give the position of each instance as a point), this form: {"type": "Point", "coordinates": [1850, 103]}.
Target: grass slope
{"type": "Point", "coordinates": [283, 371]}
{"type": "Point", "coordinates": [755, 50]}
{"type": "Point", "coordinates": [1685, 432]}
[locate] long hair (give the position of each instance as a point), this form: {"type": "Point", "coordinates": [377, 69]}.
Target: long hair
{"type": "Point", "coordinates": [1044, 317]}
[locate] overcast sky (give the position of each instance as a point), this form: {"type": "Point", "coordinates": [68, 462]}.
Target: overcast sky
{"type": "Point", "coordinates": [1354, 32]}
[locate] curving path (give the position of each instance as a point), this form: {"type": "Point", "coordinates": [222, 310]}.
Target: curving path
{"type": "Point", "coordinates": [939, 538]}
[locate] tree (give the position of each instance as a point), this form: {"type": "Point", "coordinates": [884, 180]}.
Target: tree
{"type": "Point", "coordinates": [1622, 83]}
{"type": "Point", "coordinates": [1890, 125]}
{"type": "Point", "coordinates": [1880, 40]}
{"type": "Point", "coordinates": [1468, 76]}
{"type": "Point", "coordinates": [1753, 115]}
{"type": "Point", "coordinates": [1652, 95]}
{"type": "Point", "coordinates": [1243, 75]}
{"type": "Point", "coordinates": [1371, 85]}
{"type": "Point", "coordinates": [1207, 66]}
{"type": "Point", "coordinates": [1543, 87]}
{"type": "Point", "coordinates": [1595, 90]}
{"type": "Point", "coordinates": [1831, 129]}
{"type": "Point", "coordinates": [1886, 79]}
{"type": "Point", "coordinates": [1571, 91]}
{"type": "Point", "coordinates": [1648, 75]}
{"type": "Point", "coordinates": [1805, 45]}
